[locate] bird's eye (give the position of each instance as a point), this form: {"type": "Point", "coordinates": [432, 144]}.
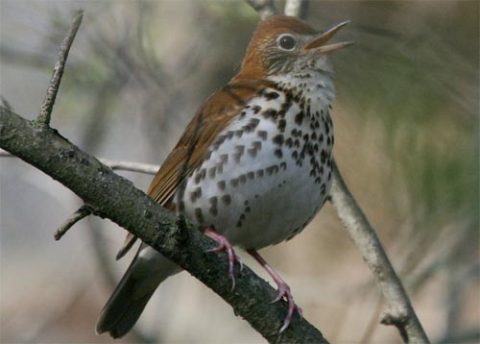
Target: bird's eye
{"type": "Point", "coordinates": [286, 42]}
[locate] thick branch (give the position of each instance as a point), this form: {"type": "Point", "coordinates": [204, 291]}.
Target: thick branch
{"type": "Point", "coordinates": [399, 310]}
{"type": "Point", "coordinates": [116, 198]}
{"type": "Point", "coordinates": [43, 119]}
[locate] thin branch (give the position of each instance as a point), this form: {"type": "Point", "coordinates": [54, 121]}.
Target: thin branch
{"type": "Point", "coordinates": [43, 119]}
{"type": "Point", "coordinates": [6, 103]}
{"type": "Point", "coordinates": [116, 165]}
{"type": "Point", "coordinates": [399, 311]}
{"type": "Point", "coordinates": [266, 8]}
{"type": "Point", "coordinates": [296, 8]}
{"type": "Point", "coordinates": [121, 165]}
{"type": "Point", "coordinates": [81, 213]}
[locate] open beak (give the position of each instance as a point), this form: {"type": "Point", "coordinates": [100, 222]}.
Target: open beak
{"type": "Point", "coordinates": [319, 42]}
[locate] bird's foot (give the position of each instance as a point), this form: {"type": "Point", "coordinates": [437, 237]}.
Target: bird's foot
{"type": "Point", "coordinates": [224, 245]}
{"type": "Point", "coordinates": [283, 290]}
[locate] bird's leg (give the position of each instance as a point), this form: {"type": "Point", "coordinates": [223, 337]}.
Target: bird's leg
{"type": "Point", "coordinates": [283, 289]}
{"type": "Point", "coordinates": [224, 245]}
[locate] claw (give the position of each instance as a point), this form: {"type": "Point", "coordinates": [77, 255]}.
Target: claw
{"type": "Point", "coordinates": [283, 291]}
{"type": "Point", "coordinates": [224, 245]}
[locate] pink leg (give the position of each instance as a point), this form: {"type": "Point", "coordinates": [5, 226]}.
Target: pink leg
{"type": "Point", "coordinates": [283, 289]}
{"type": "Point", "coordinates": [224, 245]}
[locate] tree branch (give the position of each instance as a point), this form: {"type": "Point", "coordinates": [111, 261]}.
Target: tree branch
{"type": "Point", "coordinates": [399, 310]}
{"type": "Point", "coordinates": [116, 198]}
{"type": "Point", "coordinates": [116, 165]}
{"type": "Point", "coordinates": [296, 8]}
{"type": "Point", "coordinates": [43, 119]}
{"type": "Point", "coordinates": [81, 213]}
{"type": "Point", "coordinates": [265, 8]}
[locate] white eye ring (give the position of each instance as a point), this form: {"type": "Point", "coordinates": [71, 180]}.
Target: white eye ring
{"type": "Point", "coordinates": [286, 42]}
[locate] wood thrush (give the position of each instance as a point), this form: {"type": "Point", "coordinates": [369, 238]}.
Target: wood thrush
{"type": "Point", "coordinates": [252, 168]}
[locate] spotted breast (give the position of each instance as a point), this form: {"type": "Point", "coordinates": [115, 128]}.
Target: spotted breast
{"type": "Point", "coordinates": [269, 171]}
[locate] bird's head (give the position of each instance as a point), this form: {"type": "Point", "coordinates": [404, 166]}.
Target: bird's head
{"type": "Point", "coordinates": [284, 45]}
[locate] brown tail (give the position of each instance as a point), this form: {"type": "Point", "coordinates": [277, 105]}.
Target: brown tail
{"type": "Point", "coordinates": [148, 269]}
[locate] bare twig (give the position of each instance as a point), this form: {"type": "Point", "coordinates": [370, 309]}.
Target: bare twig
{"type": "Point", "coordinates": [296, 8]}
{"type": "Point", "coordinates": [266, 8]}
{"type": "Point", "coordinates": [6, 103]}
{"type": "Point", "coordinates": [81, 213]}
{"type": "Point", "coordinates": [121, 165]}
{"type": "Point", "coordinates": [116, 165]}
{"type": "Point", "coordinates": [43, 119]}
{"type": "Point", "coordinates": [399, 311]}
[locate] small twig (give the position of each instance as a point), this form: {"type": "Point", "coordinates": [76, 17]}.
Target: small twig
{"type": "Point", "coordinates": [121, 165]}
{"type": "Point", "coordinates": [118, 165]}
{"type": "Point", "coordinates": [81, 213]}
{"type": "Point", "coordinates": [4, 153]}
{"type": "Point", "coordinates": [6, 104]}
{"type": "Point", "coordinates": [266, 8]}
{"type": "Point", "coordinates": [296, 8]}
{"type": "Point", "coordinates": [399, 310]}
{"type": "Point", "coordinates": [43, 119]}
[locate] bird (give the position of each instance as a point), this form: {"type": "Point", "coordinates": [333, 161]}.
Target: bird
{"type": "Point", "coordinates": [252, 168]}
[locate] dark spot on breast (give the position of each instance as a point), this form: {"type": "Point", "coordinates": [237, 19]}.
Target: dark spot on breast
{"type": "Point", "coordinates": [270, 113]}
{"type": "Point", "coordinates": [212, 171]}
{"type": "Point", "coordinates": [242, 178]}
{"type": "Point", "coordinates": [223, 158]}
{"type": "Point", "coordinates": [221, 185]}
{"type": "Point", "coordinates": [199, 215]}
{"type": "Point", "coordinates": [256, 109]}
{"type": "Point", "coordinates": [262, 134]}
{"type": "Point", "coordinates": [251, 125]}
{"type": "Point", "coordinates": [271, 95]}
{"type": "Point", "coordinates": [271, 170]}
{"type": "Point", "coordinates": [208, 155]}
{"type": "Point", "coordinates": [323, 189]}
{"type": "Point", "coordinates": [278, 139]}
{"type": "Point", "coordinates": [281, 125]}
{"type": "Point", "coordinates": [200, 175]}
{"type": "Point", "coordinates": [213, 206]}
{"type": "Point", "coordinates": [239, 152]}
{"type": "Point", "coordinates": [226, 199]}
{"type": "Point", "coordinates": [299, 118]}
{"type": "Point", "coordinates": [278, 153]}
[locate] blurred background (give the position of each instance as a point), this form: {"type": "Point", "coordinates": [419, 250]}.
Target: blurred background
{"type": "Point", "coordinates": [406, 125]}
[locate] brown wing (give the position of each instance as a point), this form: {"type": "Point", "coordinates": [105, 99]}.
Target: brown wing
{"type": "Point", "coordinates": [216, 113]}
